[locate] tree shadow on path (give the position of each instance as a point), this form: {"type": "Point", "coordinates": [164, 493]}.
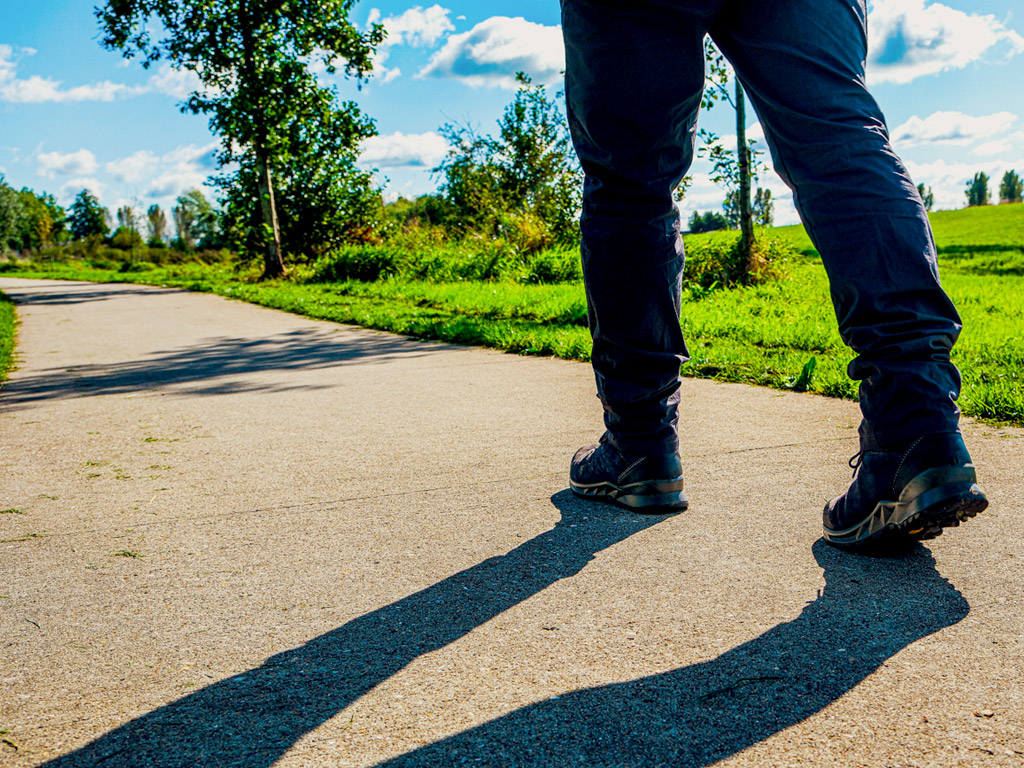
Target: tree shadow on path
{"type": "Point", "coordinates": [869, 610]}
{"type": "Point", "coordinates": [82, 293]}
{"type": "Point", "coordinates": [217, 366]}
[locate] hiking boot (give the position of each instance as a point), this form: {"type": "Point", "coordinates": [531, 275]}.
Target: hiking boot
{"type": "Point", "coordinates": [907, 494]}
{"type": "Point", "coordinates": [649, 484]}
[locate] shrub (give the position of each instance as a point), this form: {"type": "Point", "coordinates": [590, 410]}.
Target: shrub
{"type": "Point", "coordinates": [554, 265]}
{"type": "Point", "coordinates": [126, 239]}
{"type": "Point", "coordinates": [136, 266]}
{"type": "Point", "coordinates": [354, 263]}
{"type": "Point", "coordinates": [714, 259]}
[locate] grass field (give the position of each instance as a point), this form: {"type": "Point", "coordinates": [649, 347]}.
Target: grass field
{"type": "Point", "coordinates": [767, 334]}
{"type": "Point", "coordinates": [987, 229]}
{"type": "Point", "coordinates": [6, 336]}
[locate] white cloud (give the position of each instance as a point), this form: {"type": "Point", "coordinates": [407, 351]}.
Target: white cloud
{"type": "Point", "coordinates": [912, 38]}
{"type": "Point", "coordinates": [168, 175]}
{"type": "Point", "coordinates": [954, 128]}
{"type": "Point", "coordinates": [495, 49]}
{"type": "Point", "coordinates": [948, 180]}
{"type": "Point", "coordinates": [134, 168]}
{"type": "Point", "coordinates": [80, 163]}
{"type": "Point", "coordinates": [416, 27]}
{"type": "Point", "coordinates": [179, 83]}
{"type": "Point", "coordinates": [174, 182]}
{"type": "Point", "coordinates": [996, 147]}
{"type": "Point", "coordinates": [69, 190]}
{"type": "Point", "coordinates": [400, 150]}
{"type": "Point", "coordinates": [1001, 146]}
{"type": "Point", "coordinates": [8, 68]}
{"type": "Point", "coordinates": [36, 89]}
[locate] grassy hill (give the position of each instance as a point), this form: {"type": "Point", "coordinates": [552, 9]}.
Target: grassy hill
{"type": "Point", "coordinates": [987, 228]}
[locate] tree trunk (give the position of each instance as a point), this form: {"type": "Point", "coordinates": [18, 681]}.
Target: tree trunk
{"type": "Point", "coordinates": [746, 209]}
{"type": "Point", "coordinates": [273, 266]}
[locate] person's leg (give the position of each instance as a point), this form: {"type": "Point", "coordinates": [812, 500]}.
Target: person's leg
{"type": "Point", "coordinates": [802, 62]}
{"type": "Point", "coordinates": [634, 77]}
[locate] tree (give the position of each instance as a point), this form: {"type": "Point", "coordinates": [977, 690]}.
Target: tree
{"type": "Point", "coordinates": [707, 222]}
{"type": "Point", "coordinates": [927, 196]}
{"type": "Point", "coordinates": [764, 208]}
{"type": "Point", "coordinates": [526, 178]}
{"type": "Point", "coordinates": [1010, 188]}
{"type": "Point", "coordinates": [323, 198]}
{"type": "Point", "coordinates": [157, 221]}
{"type": "Point", "coordinates": [88, 217]}
{"type": "Point", "coordinates": [251, 58]}
{"type": "Point", "coordinates": [195, 221]}
{"type": "Point", "coordinates": [41, 221]}
{"type": "Point", "coordinates": [127, 217]}
{"type": "Point", "coordinates": [977, 190]}
{"type": "Point", "coordinates": [10, 216]}
{"type": "Point", "coordinates": [738, 174]}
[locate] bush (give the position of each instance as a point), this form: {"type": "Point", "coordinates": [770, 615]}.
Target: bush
{"type": "Point", "coordinates": [136, 266]}
{"type": "Point", "coordinates": [354, 263]}
{"type": "Point", "coordinates": [126, 239]}
{"type": "Point", "coordinates": [475, 258]}
{"type": "Point", "coordinates": [554, 265]}
{"type": "Point", "coordinates": [714, 259]}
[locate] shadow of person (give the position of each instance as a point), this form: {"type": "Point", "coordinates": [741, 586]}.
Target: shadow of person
{"type": "Point", "coordinates": [253, 718]}
{"type": "Point", "coordinates": [869, 610]}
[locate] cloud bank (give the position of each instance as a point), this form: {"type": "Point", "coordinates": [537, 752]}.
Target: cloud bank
{"type": "Point", "coordinates": [953, 128]}
{"type": "Point", "coordinates": [400, 150]}
{"type": "Point", "coordinates": [39, 90]}
{"type": "Point", "coordinates": [493, 51]}
{"type": "Point", "coordinates": [80, 163]}
{"type": "Point", "coordinates": [417, 27]}
{"type": "Point", "coordinates": [909, 39]}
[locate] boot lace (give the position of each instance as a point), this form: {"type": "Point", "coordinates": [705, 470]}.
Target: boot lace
{"type": "Point", "coordinates": [855, 461]}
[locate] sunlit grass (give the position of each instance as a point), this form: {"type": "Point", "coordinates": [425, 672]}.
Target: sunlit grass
{"type": "Point", "coordinates": [6, 336]}
{"type": "Point", "coordinates": [765, 334]}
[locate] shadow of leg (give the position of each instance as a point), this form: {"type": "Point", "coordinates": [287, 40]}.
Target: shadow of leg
{"type": "Point", "coordinates": [869, 610]}
{"type": "Point", "coordinates": [253, 718]}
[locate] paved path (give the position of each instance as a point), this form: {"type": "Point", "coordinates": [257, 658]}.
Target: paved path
{"type": "Point", "coordinates": [250, 539]}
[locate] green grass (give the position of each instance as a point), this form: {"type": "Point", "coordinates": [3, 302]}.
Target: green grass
{"type": "Point", "coordinates": [986, 229]}
{"type": "Point", "coordinates": [7, 323]}
{"type": "Point", "coordinates": [766, 334]}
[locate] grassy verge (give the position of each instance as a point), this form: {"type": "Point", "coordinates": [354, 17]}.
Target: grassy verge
{"type": "Point", "coordinates": [7, 323]}
{"type": "Point", "coordinates": [780, 334]}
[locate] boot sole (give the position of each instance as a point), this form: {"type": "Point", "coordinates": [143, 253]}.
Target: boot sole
{"type": "Point", "coordinates": [938, 498]}
{"type": "Point", "coordinates": [650, 497]}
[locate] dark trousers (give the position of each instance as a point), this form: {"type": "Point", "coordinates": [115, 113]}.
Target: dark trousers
{"type": "Point", "coordinates": [634, 77]}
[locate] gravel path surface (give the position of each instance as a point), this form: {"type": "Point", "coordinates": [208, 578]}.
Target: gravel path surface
{"type": "Point", "coordinates": [237, 537]}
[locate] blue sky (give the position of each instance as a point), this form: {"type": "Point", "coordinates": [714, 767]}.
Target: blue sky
{"type": "Point", "coordinates": [73, 115]}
